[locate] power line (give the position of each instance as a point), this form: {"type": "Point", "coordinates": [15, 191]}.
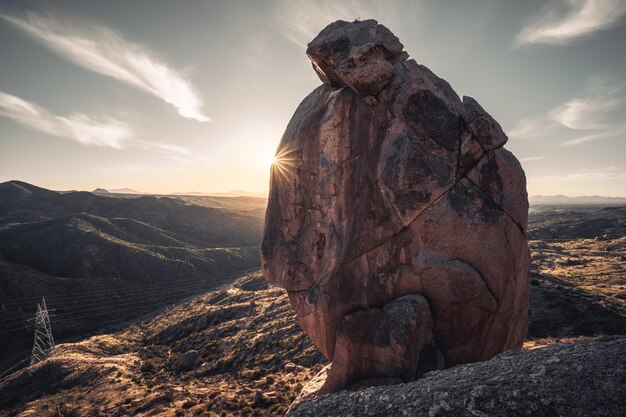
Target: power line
{"type": "Point", "coordinates": [103, 291]}
{"type": "Point", "coordinates": [14, 367]}
{"type": "Point", "coordinates": [124, 296]}
{"type": "Point", "coordinates": [71, 316]}
{"type": "Point", "coordinates": [123, 301]}
{"type": "Point", "coordinates": [127, 295]}
{"type": "Point", "coordinates": [106, 307]}
{"type": "Point", "coordinates": [139, 301]}
{"type": "Point", "coordinates": [136, 307]}
{"type": "Point", "coordinates": [93, 292]}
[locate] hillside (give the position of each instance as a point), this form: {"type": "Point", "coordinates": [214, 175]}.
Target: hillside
{"type": "Point", "coordinates": [101, 259]}
{"type": "Point", "coordinates": [254, 359]}
{"type": "Point", "coordinates": [578, 270]}
{"type": "Point", "coordinates": [250, 205]}
{"type": "Point", "coordinates": [24, 203]}
{"type": "Point", "coordinates": [576, 222]}
{"type": "Point", "coordinates": [247, 340]}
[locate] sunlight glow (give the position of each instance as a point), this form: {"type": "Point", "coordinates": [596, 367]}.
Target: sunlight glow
{"type": "Point", "coordinates": [266, 160]}
{"type": "Point", "coordinates": [285, 161]}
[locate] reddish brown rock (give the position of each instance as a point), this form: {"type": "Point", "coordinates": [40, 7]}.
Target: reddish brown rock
{"type": "Point", "coordinates": [391, 194]}
{"type": "Point", "coordinates": [386, 341]}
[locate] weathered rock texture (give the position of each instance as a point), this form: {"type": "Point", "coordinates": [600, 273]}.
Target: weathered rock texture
{"type": "Point", "coordinates": [396, 221]}
{"type": "Point", "coordinates": [574, 379]}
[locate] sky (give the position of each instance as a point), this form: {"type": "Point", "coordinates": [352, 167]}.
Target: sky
{"type": "Point", "coordinates": [163, 96]}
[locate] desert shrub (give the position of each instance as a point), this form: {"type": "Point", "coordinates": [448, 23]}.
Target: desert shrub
{"type": "Point", "coordinates": [147, 366]}
{"type": "Point", "coordinates": [188, 404]}
{"type": "Point", "coordinates": [277, 409]}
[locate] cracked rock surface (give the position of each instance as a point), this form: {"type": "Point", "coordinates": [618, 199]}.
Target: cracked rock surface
{"type": "Point", "coordinates": [387, 185]}
{"type": "Point", "coordinates": [571, 379]}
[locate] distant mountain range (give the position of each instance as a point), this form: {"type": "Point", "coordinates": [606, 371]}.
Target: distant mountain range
{"type": "Point", "coordinates": [124, 191]}
{"type": "Point", "coordinates": [249, 205]}
{"type": "Point", "coordinates": [232, 193]}
{"type": "Point", "coordinates": [81, 246]}
{"type": "Point", "coordinates": [117, 191]}
{"type": "Point", "coordinates": [533, 199]}
{"type": "Point", "coordinates": [565, 200]}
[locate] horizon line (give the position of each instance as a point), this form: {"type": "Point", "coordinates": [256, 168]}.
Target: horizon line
{"type": "Point", "coordinates": [191, 193]}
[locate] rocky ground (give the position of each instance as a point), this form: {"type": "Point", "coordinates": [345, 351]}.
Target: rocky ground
{"type": "Point", "coordinates": [254, 359]}
{"type": "Point", "coordinates": [578, 280]}
{"type": "Point", "coordinates": [567, 379]}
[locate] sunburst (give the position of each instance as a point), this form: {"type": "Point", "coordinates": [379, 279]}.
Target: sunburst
{"type": "Point", "coordinates": [284, 162]}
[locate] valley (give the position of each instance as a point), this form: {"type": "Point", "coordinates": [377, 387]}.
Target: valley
{"type": "Point", "coordinates": [253, 357]}
{"type": "Point", "coordinates": [99, 259]}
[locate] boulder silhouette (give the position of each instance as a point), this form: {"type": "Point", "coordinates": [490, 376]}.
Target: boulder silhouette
{"type": "Point", "coordinates": [396, 220]}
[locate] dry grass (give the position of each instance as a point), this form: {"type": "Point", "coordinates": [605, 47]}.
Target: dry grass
{"type": "Point", "coordinates": [254, 359]}
{"type": "Point", "coordinates": [578, 288]}
{"type": "Point", "coordinates": [547, 341]}
{"type": "Point", "coordinates": [592, 266]}
{"type": "Point", "coordinates": [246, 336]}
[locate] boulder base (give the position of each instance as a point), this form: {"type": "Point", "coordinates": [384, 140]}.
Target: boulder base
{"type": "Point", "coordinates": [579, 379]}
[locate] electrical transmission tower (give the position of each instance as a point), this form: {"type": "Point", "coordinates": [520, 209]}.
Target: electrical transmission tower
{"type": "Point", "coordinates": [43, 344]}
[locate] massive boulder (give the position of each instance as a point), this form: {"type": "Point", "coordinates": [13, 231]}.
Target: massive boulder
{"type": "Point", "coordinates": [396, 219]}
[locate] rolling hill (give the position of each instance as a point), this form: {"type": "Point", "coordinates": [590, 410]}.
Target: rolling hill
{"type": "Point", "coordinates": [253, 358]}
{"type": "Point", "coordinates": [114, 262]}
{"type": "Point", "coordinates": [100, 259]}
{"type": "Point", "coordinates": [560, 200]}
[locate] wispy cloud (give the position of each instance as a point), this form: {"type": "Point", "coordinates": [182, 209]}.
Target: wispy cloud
{"type": "Point", "coordinates": [99, 49]}
{"type": "Point", "coordinates": [562, 21]}
{"type": "Point", "coordinates": [532, 128]}
{"type": "Point", "coordinates": [532, 158]}
{"type": "Point", "coordinates": [606, 134]}
{"type": "Point", "coordinates": [605, 174]}
{"type": "Point", "coordinates": [584, 113]}
{"type": "Point", "coordinates": [87, 130]}
{"type": "Point", "coordinates": [588, 113]}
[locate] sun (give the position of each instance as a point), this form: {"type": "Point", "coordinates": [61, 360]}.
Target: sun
{"type": "Point", "coordinates": [266, 159]}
